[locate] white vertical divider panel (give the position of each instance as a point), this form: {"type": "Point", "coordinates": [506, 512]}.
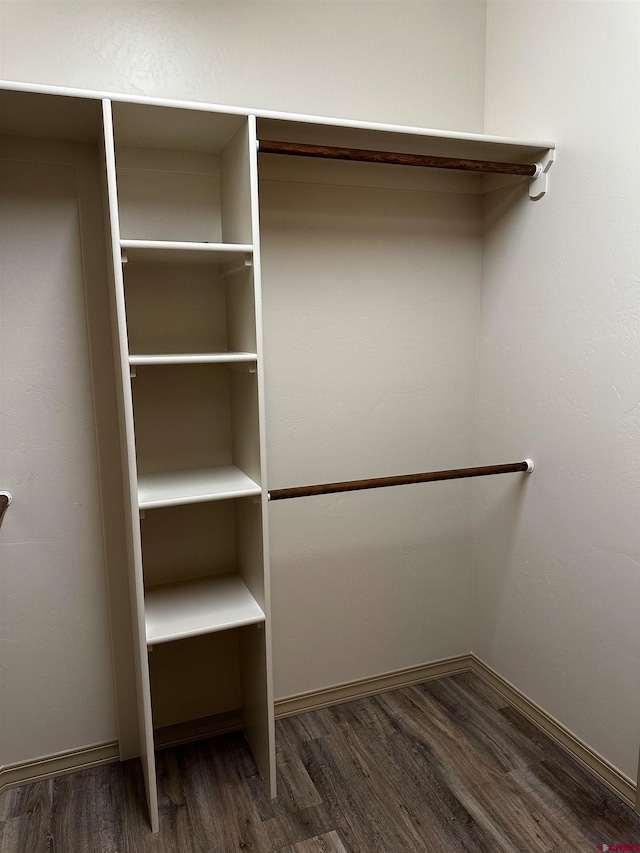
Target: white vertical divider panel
{"type": "Point", "coordinates": [239, 198]}
{"type": "Point", "coordinates": [265, 746]}
{"type": "Point", "coordinates": [127, 443]}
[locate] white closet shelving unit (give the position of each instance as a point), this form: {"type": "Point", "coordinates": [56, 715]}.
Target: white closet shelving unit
{"type": "Point", "coordinates": [182, 194]}
{"type": "Point", "coordinates": [181, 209]}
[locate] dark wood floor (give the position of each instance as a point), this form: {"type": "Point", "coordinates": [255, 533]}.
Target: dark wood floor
{"type": "Point", "coordinates": [444, 766]}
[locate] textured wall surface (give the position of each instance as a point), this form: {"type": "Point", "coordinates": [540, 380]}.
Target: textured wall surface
{"type": "Point", "coordinates": [371, 307]}
{"type": "Point", "coordinates": [57, 681]}
{"type": "Point", "coordinates": [403, 62]}
{"type": "Point", "coordinates": [556, 573]}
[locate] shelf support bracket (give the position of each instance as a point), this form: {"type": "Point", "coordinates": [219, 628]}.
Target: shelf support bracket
{"type": "Point", "coordinates": [241, 367]}
{"type": "Point", "coordinates": [133, 371]}
{"type": "Point", "coordinates": [243, 262]}
{"type": "Point", "coordinates": [125, 258]}
{"type": "Point", "coordinates": [538, 183]}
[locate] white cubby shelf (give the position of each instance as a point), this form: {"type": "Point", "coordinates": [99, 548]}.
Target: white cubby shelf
{"type": "Point", "coordinates": [184, 252]}
{"type": "Point", "coordinates": [143, 359]}
{"type": "Point", "coordinates": [194, 485]}
{"type": "Point", "coordinates": [175, 611]}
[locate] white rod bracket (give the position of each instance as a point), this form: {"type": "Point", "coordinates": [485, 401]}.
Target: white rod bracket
{"type": "Point", "coordinates": [5, 501]}
{"type": "Point", "coordinates": [530, 465]}
{"type": "Point", "coordinates": [538, 183]}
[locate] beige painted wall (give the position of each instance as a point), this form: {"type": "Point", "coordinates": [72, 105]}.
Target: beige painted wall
{"type": "Point", "coordinates": [56, 690]}
{"type": "Point", "coordinates": [418, 63]}
{"type": "Point", "coordinates": [556, 573]}
{"type": "Point", "coordinates": [371, 308]}
{"type": "Point", "coordinates": [397, 61]}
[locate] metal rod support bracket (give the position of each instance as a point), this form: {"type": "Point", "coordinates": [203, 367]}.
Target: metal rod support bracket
{"type": "Point", "coordinates": [539, 181]}
{"type": "Point", "coordinates": [5, 500]}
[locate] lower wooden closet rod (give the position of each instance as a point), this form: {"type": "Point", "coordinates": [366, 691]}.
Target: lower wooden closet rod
{"type": "Point", "coordinates": [297, 149]}
{"type": "Point", "coordinates": [403, 480]}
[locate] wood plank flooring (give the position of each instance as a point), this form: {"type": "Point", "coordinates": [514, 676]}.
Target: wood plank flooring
{"type": "Point", "coordinates": [444, 766]}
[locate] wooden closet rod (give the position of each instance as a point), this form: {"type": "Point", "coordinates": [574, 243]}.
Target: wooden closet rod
{"type": "Point", "coordinates": [297, 149]}
{"type": "Point", "coordinates": [403, 480]}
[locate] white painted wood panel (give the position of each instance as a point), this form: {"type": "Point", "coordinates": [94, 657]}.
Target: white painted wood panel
{"type": "Point", "coordinates": [448, 141]}
{"type": "Point", "coordinates": [182, 416]}
{"type": "Point", "coordinates": [252, 524]}
{"type": "Point", "coordinates": [235, 189]}
{"type": "Point", "coordinates": [189, 307]}
{"type": "Point", "coordinates": [183, 252]}
{"type": "Point", "coordinates": [190, 541]}
{"type": "Point", "coordinates": [176, 611]}
{"type": "Point", "coordinates": [129, 470]}
{"type": "Point", "coordinates": [162, 126]}
{"type": "Point", "coordinates": [170, 488]}
{"type": "Point", "coordinates": [195, 358]}
{"type": "Point", "coordinates": [196, 677]}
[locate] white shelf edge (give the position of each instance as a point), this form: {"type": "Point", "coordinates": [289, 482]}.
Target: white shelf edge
{"type": "Point", "coordinates": [193, 358]}
{"type": "Point", "coordinates": [194, 608]}
{"type": "Point", "coordinates": [185, 246]}
{"type": "Point", "coordinates": [179, 501]}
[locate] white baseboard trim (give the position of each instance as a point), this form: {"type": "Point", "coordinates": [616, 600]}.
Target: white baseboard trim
{"type": "Point", "coordinates": [58, 764]}
{"type": "Point", "coordinates": [12, 775]}
{"type": "Point", "coordinates": [315, 699]}
{"type": "Point", "coordinates": [81, 759]}
{"type": "Point", "coordinates": [596, 764]}
{"type": "Point", "coordinates": [592, 761]}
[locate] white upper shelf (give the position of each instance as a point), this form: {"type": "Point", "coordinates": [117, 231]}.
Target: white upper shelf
{"type": "Point", "coordinates": [191, 608]}
{"type": "Point", "coordinates": [173, 252]}
{"type": "Point", "coordinates": [273, 125]}
{"type": "Point", "coordinates": [407, 140]}
{"type": "Point", "coordinates": [194, 358]}
{"type": "Point", "coordinates": [194, 485]}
